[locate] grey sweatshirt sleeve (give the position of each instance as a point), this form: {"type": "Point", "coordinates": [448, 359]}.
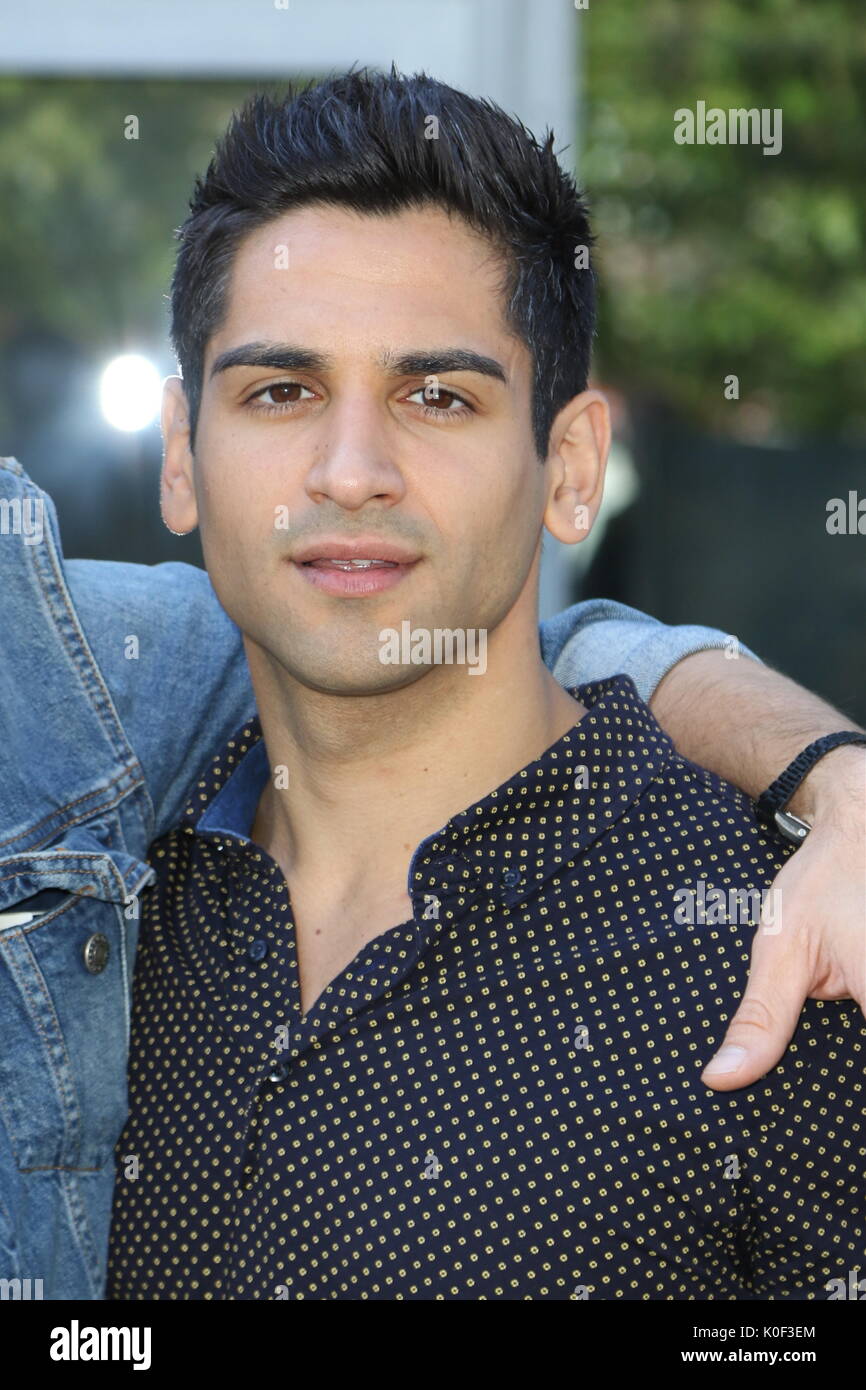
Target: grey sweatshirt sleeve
{"type": "Point", "coordinates": [599, 638]}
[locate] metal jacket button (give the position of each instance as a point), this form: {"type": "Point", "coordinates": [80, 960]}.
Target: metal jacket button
{"type": "Point", "coordinates": [96, 952]}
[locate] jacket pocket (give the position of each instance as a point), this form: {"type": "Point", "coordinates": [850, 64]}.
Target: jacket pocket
{"type": "Point", "coordinates": [67, 930]}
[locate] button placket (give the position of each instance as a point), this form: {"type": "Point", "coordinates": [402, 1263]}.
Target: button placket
{"type": "Point", "coordinates": [511, 885]}
{"type": "Point", "coordinates": [262, 957]}
{"type": "Point", "coordinates": [280, 1069]}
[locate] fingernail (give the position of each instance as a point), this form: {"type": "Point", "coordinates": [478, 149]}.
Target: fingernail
{"type": "Point", "coordinates": [727, 1059]}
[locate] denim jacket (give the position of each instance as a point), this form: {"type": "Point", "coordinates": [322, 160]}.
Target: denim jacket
{"type": "Point", "coordinates": [119, 684]}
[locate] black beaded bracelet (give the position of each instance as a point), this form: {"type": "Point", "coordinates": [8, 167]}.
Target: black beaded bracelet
{"type": "Point", "coordinates": [769, 806]}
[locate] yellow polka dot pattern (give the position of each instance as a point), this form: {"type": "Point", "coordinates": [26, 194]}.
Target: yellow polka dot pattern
{"type": "Point", "coordinates": [501, 1098]}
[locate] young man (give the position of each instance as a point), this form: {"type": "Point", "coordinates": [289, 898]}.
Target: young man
{"type": "Point", "coordinates": [426, 982]}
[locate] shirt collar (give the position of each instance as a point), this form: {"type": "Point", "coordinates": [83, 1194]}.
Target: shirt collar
{"type": "Point", "coordinates": [554, 808]}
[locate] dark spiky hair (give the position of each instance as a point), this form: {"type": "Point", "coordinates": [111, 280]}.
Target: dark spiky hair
{"type": "Point", "coordinates": [363, 141]}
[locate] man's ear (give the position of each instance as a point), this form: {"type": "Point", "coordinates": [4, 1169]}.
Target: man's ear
{"type": "Point", "coordinates": [576, 461]}
{"type": "Point", "coordinates": [177, 489]}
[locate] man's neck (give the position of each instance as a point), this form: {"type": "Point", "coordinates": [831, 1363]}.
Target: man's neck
{"type": "Point", "coordinates": [359, 781]}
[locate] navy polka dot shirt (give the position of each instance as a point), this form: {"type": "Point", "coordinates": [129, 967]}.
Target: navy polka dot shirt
{"type": "Point", "coordinates": [501, 1098]}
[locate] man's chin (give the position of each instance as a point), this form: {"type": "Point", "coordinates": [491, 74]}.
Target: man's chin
{"type": "Point", "coordinates": [361, 686]}
{"type": "Point", "coordinates": [337, 672]}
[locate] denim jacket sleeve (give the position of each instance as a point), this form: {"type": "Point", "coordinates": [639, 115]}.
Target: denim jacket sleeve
{"type": "Point", "coordinates": [174, 663]}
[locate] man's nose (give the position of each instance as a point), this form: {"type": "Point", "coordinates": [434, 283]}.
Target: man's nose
{"type": "Point", "coordinates": [354, 458]}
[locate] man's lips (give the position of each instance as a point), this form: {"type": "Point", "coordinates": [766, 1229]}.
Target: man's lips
{"type": "Point", "coordinates": [360, 548]}
{"type": "Point", "coordinates": [349, 565]}
{"type": "Point", "coordinates": [344, 579]}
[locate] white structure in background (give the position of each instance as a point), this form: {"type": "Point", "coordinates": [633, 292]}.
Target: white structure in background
{"type": "Point", "coordinates": [524, 54]}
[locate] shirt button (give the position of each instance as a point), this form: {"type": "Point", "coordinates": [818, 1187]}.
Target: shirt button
{"type": "Point", "coordinates": [280, 1070]}
{"type": "Point", "coordinates": [257, 950]}
{"type": "Point", "coordinates": [510, 877]}
{"type": "Point", "coordinates": [96, 952]}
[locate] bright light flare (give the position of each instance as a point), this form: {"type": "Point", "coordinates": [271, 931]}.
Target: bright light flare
{"type": "Point", "coordinates": [130, 392]}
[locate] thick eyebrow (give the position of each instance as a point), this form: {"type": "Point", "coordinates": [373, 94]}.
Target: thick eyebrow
{"type": "Point", "coordinates": [285, 357]}
{"type": "Point", "coordinates": [444, 360]}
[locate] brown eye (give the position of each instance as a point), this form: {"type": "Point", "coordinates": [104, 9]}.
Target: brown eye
{"type": "Point", "coordinates": [445, 401]}
{"type": "Point", "coordinates": [284, 392]}
{"type": "Point", "coordinates": [280, 396]}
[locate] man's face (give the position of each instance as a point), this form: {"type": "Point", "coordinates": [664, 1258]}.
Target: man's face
{"type": "Point", "coordinates": [350, 444]}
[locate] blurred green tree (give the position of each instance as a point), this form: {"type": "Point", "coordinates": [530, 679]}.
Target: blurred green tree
{"type": "Point", "coordinates": [718, 259]}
